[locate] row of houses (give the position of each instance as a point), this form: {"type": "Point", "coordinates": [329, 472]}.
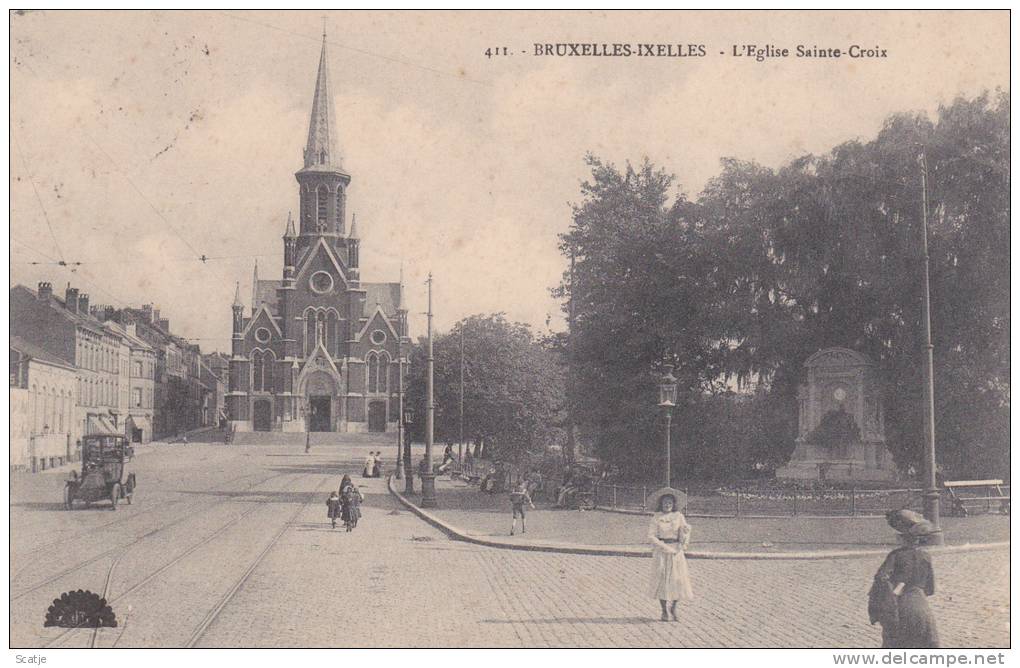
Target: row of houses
{"type": "Point", "coordinates": [78, 369]}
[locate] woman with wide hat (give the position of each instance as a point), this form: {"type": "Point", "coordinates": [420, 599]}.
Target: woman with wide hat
{"type": "Point", "coordinates": [669, 534]}
{"type": "Point", "coordinates": [906, 618]}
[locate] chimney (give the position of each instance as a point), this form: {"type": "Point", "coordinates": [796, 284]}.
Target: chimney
{"type": "Point", "coordinates": [83, 304]}
{"type": "Point", "coordinates": [155, 316]}
{"type": "Point", "coordinates": [147, 312]}
{"type": "Point", "coordinates": [164, 324]}
{"type": "Point", "coordinates": [71, 298]}
{"type": "Point", "coordinates": [45, 291]}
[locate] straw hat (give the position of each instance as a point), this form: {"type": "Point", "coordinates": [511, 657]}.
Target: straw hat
{"type": "Point", "coordinates": [910, 523]}
{"type": "Point", "coordinates": [653, 500]}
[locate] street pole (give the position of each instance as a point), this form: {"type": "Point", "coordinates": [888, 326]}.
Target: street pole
{"type": "Point", "coordinates": [931, 492]}
{"type": "Point", "coordinates": [400, 405]}
{"type": "Point", "coordinates": [669, 420]}
{"type": "Point", "coordinates": [428, 478]}
{"type": "Point", "coordinates": [460, 448]}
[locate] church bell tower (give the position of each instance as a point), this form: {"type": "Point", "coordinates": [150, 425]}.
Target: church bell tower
{"type": "Point", "coordinates": [322, 180]}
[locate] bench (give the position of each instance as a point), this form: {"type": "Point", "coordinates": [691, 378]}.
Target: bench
{"type": "Point", "coordinates": [962, 501]}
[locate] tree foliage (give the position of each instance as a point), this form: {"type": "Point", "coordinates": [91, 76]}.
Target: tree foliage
{"type": "Point", "coordinates": [768, 266]}
{"type": "Point", "coordinates": [513, 388]}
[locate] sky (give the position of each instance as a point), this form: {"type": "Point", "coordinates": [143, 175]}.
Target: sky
{"type": "Point", "coordinates": [143, 140]}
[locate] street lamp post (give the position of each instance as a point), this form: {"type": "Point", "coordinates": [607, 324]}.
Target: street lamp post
{"type": "Point", "coordinates": [931, 492]}
{"type": "Point", "coordinates": [667, 400]}
{"type": "Point", "coordinates": [408, 419]}
{"type": "Point", "coordinates": [400, 407]}
{"type": "Point", "coordinates": [428, 478]}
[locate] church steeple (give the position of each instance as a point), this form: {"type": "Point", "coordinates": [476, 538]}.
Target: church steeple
{"type": "Point", "coordinates": [321, 151]}
{"type": "Point", "coordinates": [255, 288]}
{"type": "Point", "coordinates": [322, 177]}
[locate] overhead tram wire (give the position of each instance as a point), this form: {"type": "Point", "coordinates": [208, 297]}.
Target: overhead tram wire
{"type": "Point", "coordinates": [73, 269]}
{"type": "Point", "coordinates": [118, 261]}
{"type": "Point", "coordinates": [318, 39]}
{"type": "Point", "coordinates": [144, 198]}
{"type": "Point", "coordinates": [38, 198]}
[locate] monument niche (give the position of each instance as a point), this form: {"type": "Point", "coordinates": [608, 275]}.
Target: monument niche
{"type": "Point", "coordinates": [841, 432]}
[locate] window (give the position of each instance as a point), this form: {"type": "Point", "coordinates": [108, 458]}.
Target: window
{"type": "Point", "coordinates": [262, 335]}
{"type": "Point", "coordinates": [321, 198]}
{"type": "Point", "coordinates": [138, 397]}
{"type": "Point", "coordinates": [378, 337]}
{"type": "Point", "coordinates": [332, 344]}
{"type": "Point", "coordinates": [373, 373]}
{"type": "Point", "coordinates": [268, 362]}
{"type": "Point", "coordinates": [384, 373]}
{"type": "Point", "coordinates": [309, 332]}
{"type": "Point", "coordinates": [138, 369]}
{"type": "Point", "coordinates": [321, 282]}
{"type": "Point", "coordinates": [306, 208]}
{"type": "Point", "coordinates": [339, 208]}
{"type": "Point", "coordinates": [320, 328]}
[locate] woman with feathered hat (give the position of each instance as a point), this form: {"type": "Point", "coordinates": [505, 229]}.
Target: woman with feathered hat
{"type": "Point", "coordinates": [906, 618]}
{"type": "Point", "coordinates": [669, 534]}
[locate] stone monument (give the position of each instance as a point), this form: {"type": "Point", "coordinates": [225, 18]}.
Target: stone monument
{"type": "Point", "coordinates": [841, 390]}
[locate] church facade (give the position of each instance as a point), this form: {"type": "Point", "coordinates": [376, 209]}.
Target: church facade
{"type": "Point", "coordinates": [319, 349]}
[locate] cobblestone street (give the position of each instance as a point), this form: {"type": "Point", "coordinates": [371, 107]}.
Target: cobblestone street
{"type": "Point", "coordinates": [196, 561]}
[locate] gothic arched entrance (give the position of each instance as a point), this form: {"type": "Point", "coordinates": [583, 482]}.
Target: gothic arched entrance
{"type": "Point", "coordinates": [263, 415]}
{"type": "Point", "coordinates": [377, 416]}
{"type": "Point", "coordinates": [320, 391]}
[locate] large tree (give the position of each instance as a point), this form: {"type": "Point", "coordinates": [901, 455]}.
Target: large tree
{"type": "Point", "coordinates": [769, 266]}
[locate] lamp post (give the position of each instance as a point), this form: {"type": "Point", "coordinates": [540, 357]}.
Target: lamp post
{"type": "Point", "coordinates": [667, 400]}
{"type": "Point", "coordinates": [400, 407]}
{"type": "Point", "coordinates": [931, 492]}
{"type": "Point", "coordinates": [408, 420]}
{"type": "Point", "coordinates": [428, 478]}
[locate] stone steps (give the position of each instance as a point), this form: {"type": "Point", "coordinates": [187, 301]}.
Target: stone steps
{"type": "Point", "coordinates": [297, 439]}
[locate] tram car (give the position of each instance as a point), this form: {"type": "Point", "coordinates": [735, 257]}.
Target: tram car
{"type": "Point", "coordinates": [102, 472]}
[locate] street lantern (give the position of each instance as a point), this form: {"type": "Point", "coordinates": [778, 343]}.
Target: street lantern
{"type": "Point", "coordinates": [667, 388]}
{"type": "Point", "coordinates": [667, 400]}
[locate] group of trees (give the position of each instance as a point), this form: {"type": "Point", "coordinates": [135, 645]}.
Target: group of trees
{"type": "Point", "coordinates": [738, 287]}
{"type": "Point", "coordinates": [513, 396]}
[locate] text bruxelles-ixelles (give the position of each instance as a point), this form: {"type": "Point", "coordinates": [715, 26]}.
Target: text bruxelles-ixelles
{"type": "Point", "coordinates": [620, 50]}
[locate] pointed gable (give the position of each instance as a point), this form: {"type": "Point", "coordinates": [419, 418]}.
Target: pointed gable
{"type": "Point", "coordinates": [378, 320]}
{"type": "Point", "coordinates": [320, 257]}
{"type": "Point", "coordinates": [262, 318]}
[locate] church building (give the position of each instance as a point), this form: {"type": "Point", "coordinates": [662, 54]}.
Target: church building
{"type": "Point", "coordinates": [320, 350]}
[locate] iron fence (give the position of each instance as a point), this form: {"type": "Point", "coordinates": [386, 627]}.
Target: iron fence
{"type": "Point", "coordinates": [782, 502]}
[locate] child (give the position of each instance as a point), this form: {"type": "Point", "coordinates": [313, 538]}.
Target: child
{"type": "Point", "coordinates": [351, 510]}
{"type": "Point", "coordinates": [518, 497]}
{"type": "Point", "coordinates": [333, 507]}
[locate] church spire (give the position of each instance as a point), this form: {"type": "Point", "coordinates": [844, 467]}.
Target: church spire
{"type": "Point", "coordinates": [321, 152]}
{"type": "Point", "coordinates": [255, 288]}
{"type": "Point", "coordinates": [290, 233]}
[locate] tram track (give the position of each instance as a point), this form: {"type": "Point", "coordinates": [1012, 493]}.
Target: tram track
{"type": "Point", "coordinates": [126, 546]}
{"type": "Point", "coordinates": [159, 571]}
{"type": "Point", "coordinates": [213, 614]}
{"type": "Point", "coordinates": [120, 520]}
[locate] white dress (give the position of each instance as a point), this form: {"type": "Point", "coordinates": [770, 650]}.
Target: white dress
{"type": "Point", "coordinates": [670, 578]}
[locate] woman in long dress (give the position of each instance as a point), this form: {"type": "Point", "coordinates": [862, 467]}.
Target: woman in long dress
{"type": "Point", "coordinates": [669, 534]}
{"type": "Point", "coordinates": [906, 618]}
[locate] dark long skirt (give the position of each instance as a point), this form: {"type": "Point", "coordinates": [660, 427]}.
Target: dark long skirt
{"type": "Point", "coordinates": [916, 627]}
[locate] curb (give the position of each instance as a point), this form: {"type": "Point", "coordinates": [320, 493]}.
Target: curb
{"type": "Point", "coordinates": [742, 516]}
{"type": "Point", "coordinates": [457, 533]}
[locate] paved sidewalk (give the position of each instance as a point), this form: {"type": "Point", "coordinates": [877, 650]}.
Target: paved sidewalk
{"type": "Point", "coordinates": [487, 517]}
